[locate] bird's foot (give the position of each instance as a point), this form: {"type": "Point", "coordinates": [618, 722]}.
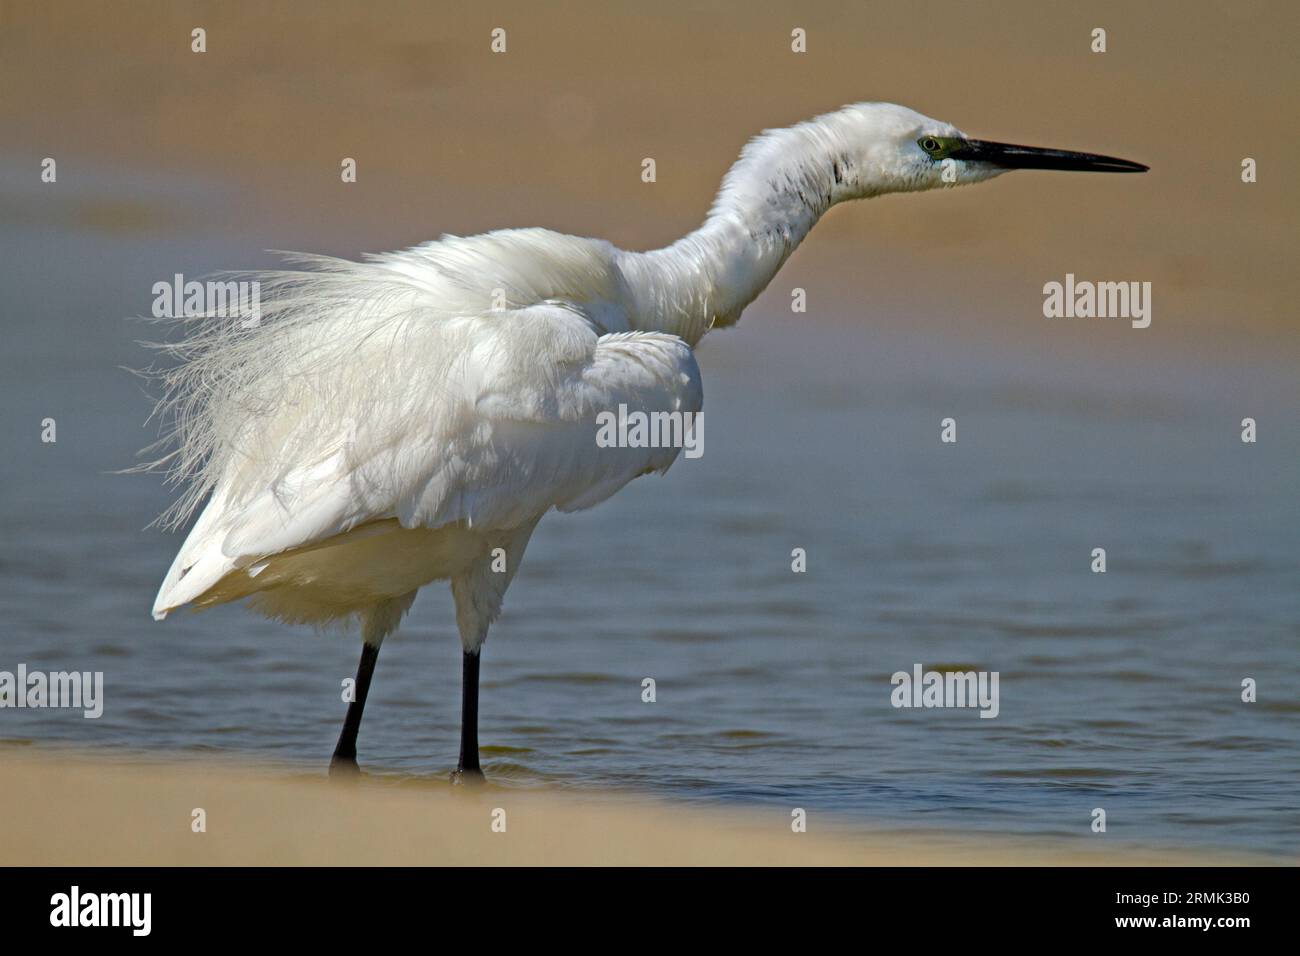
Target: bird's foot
{"type": "Point", "coordinates": [472, 777]}
{"type": "Point", "coordinates": [344, 768]}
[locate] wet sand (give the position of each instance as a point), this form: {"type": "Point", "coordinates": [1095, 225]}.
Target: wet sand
{"type": "Point", "coordinates": [78, 811]}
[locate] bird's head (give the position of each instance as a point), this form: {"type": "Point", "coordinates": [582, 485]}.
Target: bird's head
{"type": "Point", "coordinates": [888, 148]}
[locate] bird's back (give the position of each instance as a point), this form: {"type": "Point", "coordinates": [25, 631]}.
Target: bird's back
{"type": "Point", "coordinates": [448, 386]}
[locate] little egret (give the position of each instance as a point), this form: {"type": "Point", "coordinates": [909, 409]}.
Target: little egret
{"type": "Point", "coordinates": [411, 417]}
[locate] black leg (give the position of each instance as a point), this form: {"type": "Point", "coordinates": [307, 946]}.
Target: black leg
{"type": "Point", "coordinates": [467, 769]}
{"type": "Point", "coordinates": [344, 761]}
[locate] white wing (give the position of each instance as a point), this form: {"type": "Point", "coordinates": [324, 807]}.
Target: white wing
{"type": "Point", "coordinates": [506, 432]}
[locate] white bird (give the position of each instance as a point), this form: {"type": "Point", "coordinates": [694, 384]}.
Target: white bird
{"type": "Point", "coordinates": [395, 421]}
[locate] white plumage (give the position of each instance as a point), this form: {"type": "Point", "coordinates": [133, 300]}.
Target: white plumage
{"type": "Point", "coordinates": [392, 422]}
{"type": "Point", "coordinates": [406, 427]}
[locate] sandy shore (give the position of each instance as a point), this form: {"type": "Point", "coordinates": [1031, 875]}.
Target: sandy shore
{"type": "Point", "coordinates": [74, 811]}
{"type": "Point", "coordinates": [451, 137]}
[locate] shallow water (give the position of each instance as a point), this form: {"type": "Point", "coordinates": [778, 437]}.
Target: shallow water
{"type": "Point", "coordinates": [1118, 690]}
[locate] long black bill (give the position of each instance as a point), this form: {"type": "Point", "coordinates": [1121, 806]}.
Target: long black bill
{"type": "Point", "coordinates": [1031, 157]}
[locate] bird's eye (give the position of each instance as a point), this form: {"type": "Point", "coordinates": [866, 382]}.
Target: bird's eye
{"type": "Point", "coordinates": [929, 144]}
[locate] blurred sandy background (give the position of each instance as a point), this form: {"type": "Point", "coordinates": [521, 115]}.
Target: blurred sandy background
{"type": "Point", "coordinates": [451, 138]}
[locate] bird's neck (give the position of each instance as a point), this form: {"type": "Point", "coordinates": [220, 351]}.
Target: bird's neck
{"type": "Point", "coordinates": [772, 197]}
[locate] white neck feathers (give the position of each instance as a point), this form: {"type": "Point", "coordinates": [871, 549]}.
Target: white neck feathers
{"type": "Point", "coordinates": [770, 199]}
